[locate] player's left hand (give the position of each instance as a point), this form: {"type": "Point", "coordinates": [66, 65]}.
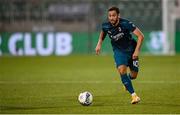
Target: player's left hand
{"type": "Point", "coordinates": [135, 55]}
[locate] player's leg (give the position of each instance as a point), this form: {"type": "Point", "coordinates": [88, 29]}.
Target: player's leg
{"type": "Point", "coordinates": [134, 68]}
{"type": "Point", "coordinates": [133, 63]}
{"type": "Point", "coordinates": [133, 74]}
{"type": "Point", "coordinates": [122, 69]}
{"type": "Point", "coordinates": [121, 59]}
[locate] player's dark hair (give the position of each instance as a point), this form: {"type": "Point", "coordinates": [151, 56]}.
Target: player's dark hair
{"type": "Point", "coordinates": [114, 9]}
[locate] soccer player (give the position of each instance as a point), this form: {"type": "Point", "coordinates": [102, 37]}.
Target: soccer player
{"type": "Point", "coordinates": [125, 48]}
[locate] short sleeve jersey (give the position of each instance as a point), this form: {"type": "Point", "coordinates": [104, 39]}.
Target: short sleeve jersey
{"type": "Point", "coordinates": [120, 35]}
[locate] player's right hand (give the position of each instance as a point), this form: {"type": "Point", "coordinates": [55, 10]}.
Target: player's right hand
{"type": "Point", "coordinates": [97, 49]}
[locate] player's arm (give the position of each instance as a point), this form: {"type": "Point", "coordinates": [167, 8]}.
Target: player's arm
{"type": "Point", "coordinates": [102, 36]}
{"type": "Point", "coordinates": [140, 37]}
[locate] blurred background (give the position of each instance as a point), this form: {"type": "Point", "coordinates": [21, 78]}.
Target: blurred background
{"type": "Point", "coordinates": [66, 32]}
{"type": "Point", "coordinates": [61, 27]}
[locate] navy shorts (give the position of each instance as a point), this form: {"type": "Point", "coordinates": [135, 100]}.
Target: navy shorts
{"type": "Point", "coordinates": [125, 58]}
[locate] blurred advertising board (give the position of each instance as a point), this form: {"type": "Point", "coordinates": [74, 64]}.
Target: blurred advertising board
{"type": "Point", "coordinates": [65, 43]}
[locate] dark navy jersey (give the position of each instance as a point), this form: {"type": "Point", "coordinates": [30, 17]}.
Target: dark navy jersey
{"type": "Point", "coordinates": [120, 35]}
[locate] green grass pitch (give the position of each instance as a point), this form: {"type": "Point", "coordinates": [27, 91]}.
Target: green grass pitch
{"type": "Point", "coordinates": [52, 85]}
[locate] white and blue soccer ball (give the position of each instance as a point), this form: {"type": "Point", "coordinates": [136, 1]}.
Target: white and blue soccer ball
{"type": "Point", "coordinates": [85, 98]}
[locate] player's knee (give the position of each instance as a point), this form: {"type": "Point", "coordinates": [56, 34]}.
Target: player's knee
{"type": "Point", "coordinates": [122, 70]}
{"type": "Point", "coordinates": [134, 75]}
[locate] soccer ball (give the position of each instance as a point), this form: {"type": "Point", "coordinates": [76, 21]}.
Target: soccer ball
{"type": "Point", "coordinates": [85, 98]}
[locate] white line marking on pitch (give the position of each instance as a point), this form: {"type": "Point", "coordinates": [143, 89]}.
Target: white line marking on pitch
{"type": "Point", "coordinates": [82, 82]}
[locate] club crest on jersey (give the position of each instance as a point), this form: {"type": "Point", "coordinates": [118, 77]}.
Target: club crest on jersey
{"type": "Point", "coordinates": [119, 28]}
{"type": "Point", "coordinates": [109, 32]}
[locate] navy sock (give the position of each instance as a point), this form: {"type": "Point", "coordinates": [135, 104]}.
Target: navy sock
{"type": "Point", "coordinates": [127, 83]}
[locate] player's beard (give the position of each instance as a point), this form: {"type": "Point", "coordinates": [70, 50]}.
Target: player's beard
{"type": "Point", "coordinates": [114, 22]}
